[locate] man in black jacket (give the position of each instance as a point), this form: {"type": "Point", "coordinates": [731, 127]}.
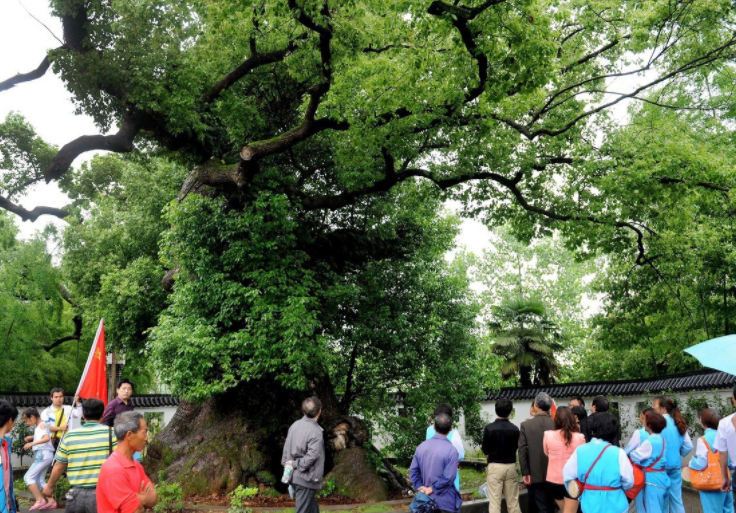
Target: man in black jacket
{"type": "Point", "coordinates": [532, 459]}
{"type": "Point", "coordinates": [599, 409]}
{"type": "Point", "coordinates": [500, 441]}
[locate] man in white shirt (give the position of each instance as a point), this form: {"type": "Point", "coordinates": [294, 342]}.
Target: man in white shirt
{"type": "Point", "coordinates": [725, 444]}
{"type": "Point", "coordinates": [60, 417]}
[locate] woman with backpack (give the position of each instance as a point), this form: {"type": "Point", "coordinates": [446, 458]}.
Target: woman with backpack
{"type": "Point", "coordinates": [705, 459]}
{"type": "Point", "coordinates": [601, 470]}
{"type": "Point", "coordinates": [678, 445]}
{"type": "Point", "coordinates": [650, 456]}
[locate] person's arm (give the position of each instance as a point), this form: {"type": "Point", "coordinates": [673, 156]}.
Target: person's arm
{"type": "Point", "coordinates": [642, 453]}
{"type": "Point", "coordinates": [570, 470]}
{"type": "Point", "coordinates": [415, 473]}
{"type": "Point", "coordinates": [485, 446]}
{"type": "Point", "coordinates": [447, 479]}
{"type": "Point", "coordinates": [148, 497]}
{"type": "Point", "coordinates": [721, 446]}
{"type": "Point", "coordinates": [457, 442]}
{"type": "Point", "coordinates": [108, 417]}
{"type": "Point", "coordinates": [56, 473]}
{"type": "Point", "coordinates": [627, 471]}
{"type": "Point", "coordinates": [545, 443]}
{"type": "Point", "coordinates": [524, 455]}
{"type": "Point", "coordinates": [315, 447]}
{"type": "Point", "coordinates": [700, 460]}
{"type": "Point", "coordinates": [285, 454]}
{"type": "Point", "coordinates": [687, 445]}
{"type": "Point", "coordinates": [634, 442]}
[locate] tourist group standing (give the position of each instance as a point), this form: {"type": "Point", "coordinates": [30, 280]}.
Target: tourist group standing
{"type": "Point", "coordinates": [96, 458]}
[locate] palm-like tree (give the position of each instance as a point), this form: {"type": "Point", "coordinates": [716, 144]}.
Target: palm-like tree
{"type": "Point", "coordinates": [527, 339]}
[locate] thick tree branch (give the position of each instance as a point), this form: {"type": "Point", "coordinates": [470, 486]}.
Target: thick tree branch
{"type": "Point", "coordinates": [31, 215]}
{"type": "Point", "coordinates": [75, 336]}
{"type": "Point", "coordinates": [593, 54]}
{"type": "Point", "coordinates": [27, 77]}
{"type": "Point", "coordinates": [251, 63]}
{"type": "Point", "coordinates": [121, 142]}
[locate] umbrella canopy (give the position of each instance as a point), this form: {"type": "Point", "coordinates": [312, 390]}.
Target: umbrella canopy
{"type": "Point", "coordinates": [718, 353]}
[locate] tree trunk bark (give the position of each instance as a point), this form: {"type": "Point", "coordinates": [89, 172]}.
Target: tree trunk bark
{"type": "Point", "coordinates": [238, 437]}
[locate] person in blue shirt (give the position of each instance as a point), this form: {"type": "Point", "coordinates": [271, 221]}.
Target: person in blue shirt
{"type": "Point", "coordinates": [453, 436]}
{"type": "Point", "coordinates": [434, 467]}
{"type": "Point", "coordinates": [651, 457]}
{"type": "Point", "coordinates": [609, 477]}
{"type": "Point", "coordinates": [640, 434]}
{"type": "Point", "coordinates": [8, 414]}
{"type": "Point", "coordinates": [716, 501]}
{"type": "Point", "coordinates": [678, 445]}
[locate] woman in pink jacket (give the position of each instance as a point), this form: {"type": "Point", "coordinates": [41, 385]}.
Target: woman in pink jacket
{"type": "Point", "coordinates": [559, 446]}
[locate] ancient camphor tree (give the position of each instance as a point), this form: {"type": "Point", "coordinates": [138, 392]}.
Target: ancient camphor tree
{"type": "Point", "coordinates": [319, 139]}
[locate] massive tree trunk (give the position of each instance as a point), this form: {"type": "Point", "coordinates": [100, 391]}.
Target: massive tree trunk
{"type": "Point", "coordinates": [237, 438]}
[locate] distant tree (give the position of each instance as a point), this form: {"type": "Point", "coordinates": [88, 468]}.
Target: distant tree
{"type": "Point", "coordinates": [527, 340]}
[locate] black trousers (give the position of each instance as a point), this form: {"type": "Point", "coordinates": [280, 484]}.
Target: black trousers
{"type": "Point", "coordinates": [81, 500]}
{"type": "Point", "coordinates": [306, 500]}
{"type": "Point", "coordinates": [540, 497]}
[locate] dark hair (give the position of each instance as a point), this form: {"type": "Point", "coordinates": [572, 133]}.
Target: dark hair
{"type": "Point", "coordinates": [734, 392]}
{"type": "Point", "coordinates": [125, 382]}
{"type": "Point", "coordinates": [579, 399]}
{"type": "Point", "coordinates": [601, 404]}
{"type": "Point", "coordinates": [670, 405]}
{"type": "Point", "coordinates": [543, 401]}
{"type": "Point", "coordinates": [565, 421]}
{"type": "Point", "coordinates": [442, 423]}
{"type": "Point", "coordinates": [504, 407]}
{"type": "Point", "coordinates": [311, 406]}
{"type": "Point", "coordinates": [55, 390]}
{"type": "Point", "coordinates": [655, 421]}
{"type": "Point", "coordinates": [579, 412]}
{"type": "Point", "coordinates": [645, 411]}
{"type": "Point", "coordinates": [7, 412]}
{"type": "Point", "coordinates": [93, 409]}
{"type": "Point", "coordinates": [30, 413]}
{"type": "Point", "coordinates": [443, 408]}
{"type": "Point", "coordinates": [605, 428]}
{"type": "Point", "coordinates": [710, 418]}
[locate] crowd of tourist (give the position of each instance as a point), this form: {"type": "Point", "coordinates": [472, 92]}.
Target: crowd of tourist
{"type": "Point", "coordinates": [97, 456]}
{"type": "Point", "coordinates": [572, 460]}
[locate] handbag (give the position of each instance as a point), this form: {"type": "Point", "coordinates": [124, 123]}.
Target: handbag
{"type": "Point", "coordinates": [640, 477]}
{"type": "Point", "coordinates": [576, 487]}
{"type": "Point", "coordinates": [708, 479]}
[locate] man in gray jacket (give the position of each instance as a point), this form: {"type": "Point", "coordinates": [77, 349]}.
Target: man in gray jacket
{"type": "Point", "coordinates": [304, 452]}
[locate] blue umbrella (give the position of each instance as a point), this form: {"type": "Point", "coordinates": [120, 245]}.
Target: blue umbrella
{"type": "Point", "coordinates": [718, 353]}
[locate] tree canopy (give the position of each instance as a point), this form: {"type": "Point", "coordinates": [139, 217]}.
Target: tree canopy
{"type": "Point", "coordinates": [312, 144]}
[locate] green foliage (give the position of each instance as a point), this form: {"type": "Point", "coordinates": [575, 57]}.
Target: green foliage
{"type": "Point", "coordinates": [61, 489]}
{"type": "Point", "coordinates": [18, 434]}
{"type": "Point", "coordinates": [240, 495]}
{"type": "Point", "coordinates": [170, 497]}
{"type": "Point", "coordinates": [329, 487]}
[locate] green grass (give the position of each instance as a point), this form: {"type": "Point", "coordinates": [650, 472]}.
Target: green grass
{"type": "Point", "coordinates": [470, 478]}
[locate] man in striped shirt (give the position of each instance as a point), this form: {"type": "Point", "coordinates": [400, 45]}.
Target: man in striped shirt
{"type": "Point", "coordinates": [81, 454]}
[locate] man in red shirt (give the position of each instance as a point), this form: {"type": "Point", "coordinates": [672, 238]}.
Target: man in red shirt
{"type": "Point", "coordinates": [123, 486]}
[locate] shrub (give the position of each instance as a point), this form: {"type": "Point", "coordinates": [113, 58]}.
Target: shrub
{"type": "Point", "coordinates": [61, 488]}
{"type": "Point", "coordinates": [170, 497]}
{"type": "Point", "coordinates": [328, 488]}
{"type": "Point", "coordinates": [239, 496]}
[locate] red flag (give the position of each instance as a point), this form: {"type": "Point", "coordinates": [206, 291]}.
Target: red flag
{"type": "Point", "coordinates": [553, 410]}
{"type": "Point", "coordinates": [94, 377]}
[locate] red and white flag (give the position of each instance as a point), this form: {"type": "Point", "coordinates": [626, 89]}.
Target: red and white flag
{"type": "Point", "coordinates": [94, 377]}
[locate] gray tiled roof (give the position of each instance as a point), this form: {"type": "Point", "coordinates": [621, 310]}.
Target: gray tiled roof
{"type": "Point", "coordinates": [41, 400]}
{"type": "Point", "coordinates": [701, 380]}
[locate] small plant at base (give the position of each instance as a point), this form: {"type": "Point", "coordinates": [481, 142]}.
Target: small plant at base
{"type": "Point", "coordinates": [170, 497]}
{"type": "Point", "coordinates": [239, 496]}
{"type": "Point", "coordinates": [328, 488]}
{"type": "Point", "coordinates": [61, 488]}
